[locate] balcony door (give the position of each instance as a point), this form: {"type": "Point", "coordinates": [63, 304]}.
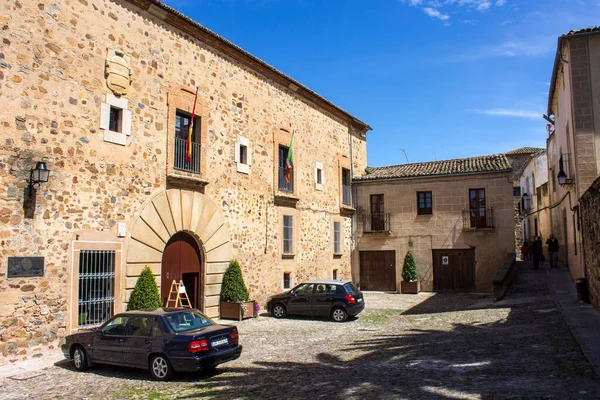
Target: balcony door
{"type": "Point", "coordinates": [182, 128]}
{"type": "Point", "coordinates": [477, 208]}
{"type": "Point", "coordinates": [377, 213]}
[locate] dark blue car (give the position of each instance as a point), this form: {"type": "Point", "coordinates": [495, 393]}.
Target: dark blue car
{"type": "Point", "coordinates": [164, 340]}
{"type": "Point", "coordinates": [322, 298]}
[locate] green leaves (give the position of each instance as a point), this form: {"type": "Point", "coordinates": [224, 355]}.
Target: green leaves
{"type": "Point", "coordinates": [409, 269]}
{"type": "Point", "coordinates": [234, 288]}
{"type": "Point", "coordinates": [145, 293]}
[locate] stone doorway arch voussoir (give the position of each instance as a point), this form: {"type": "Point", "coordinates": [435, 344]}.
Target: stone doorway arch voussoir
{"type": "Point", "coordinates": [165, 214]}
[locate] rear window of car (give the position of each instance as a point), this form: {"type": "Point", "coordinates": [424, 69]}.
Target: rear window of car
{"type": "Point", "coordinates": [350, 288]}
{"type": "Point", "coordinates": [187, 321]}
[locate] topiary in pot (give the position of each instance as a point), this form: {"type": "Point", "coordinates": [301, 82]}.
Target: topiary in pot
{"type": "Point", "coordinates": [410, 275]}
{"type": "Point", "coordinates": [234, 294]}
{"type": "Point", "coordinates": [145, 293]}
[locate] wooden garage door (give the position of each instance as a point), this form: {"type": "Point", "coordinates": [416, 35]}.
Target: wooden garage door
{"type": "Point", "coordinates": [458, 274]}
{"type": "Point", "coordinates": [378, 270]}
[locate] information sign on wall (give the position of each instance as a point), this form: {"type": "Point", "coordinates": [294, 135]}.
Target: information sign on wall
{"type": "Point", "coordinates": [25, 267]}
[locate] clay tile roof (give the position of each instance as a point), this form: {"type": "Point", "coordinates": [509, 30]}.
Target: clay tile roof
{"type": "Point", "coordinates": [525, 150]}
{"type": "Point", "coordinates": [472, 165]}
{"type": "Point", "coordinates": [582, 31]}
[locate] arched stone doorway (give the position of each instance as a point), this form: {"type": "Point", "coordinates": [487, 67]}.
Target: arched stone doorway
{"type": "Point", "coordinates": [182, 262]}
{"type": "Point", "coordinates": [163, 217]}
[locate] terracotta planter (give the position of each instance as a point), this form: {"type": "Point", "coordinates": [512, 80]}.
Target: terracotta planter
{"type": "Point", "coordinates": [233, 310]}
{"type": "Point", "coordinates": [410, 287]}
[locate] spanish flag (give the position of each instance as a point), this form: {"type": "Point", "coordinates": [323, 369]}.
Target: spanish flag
{"type": "Point", "coordinates": [289, 162]}
{"type": "Point", "coordinates": [188, 143]}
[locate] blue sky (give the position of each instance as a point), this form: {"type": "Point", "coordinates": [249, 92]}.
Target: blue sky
{"type": "Point", "coordinates": [439, 79]}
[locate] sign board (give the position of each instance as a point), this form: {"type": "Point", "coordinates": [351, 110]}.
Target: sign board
{"type": "Point", "coordinates": [121, 228]}
{"type": "Point", "coordinates": [25, 267]}
{"type": "Point", "coordinates": [445, 260]}
{"type": "Point", "coordinates": [181, 288]}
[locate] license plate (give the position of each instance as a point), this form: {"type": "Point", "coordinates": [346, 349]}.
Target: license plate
{"type": "Point", "coordinates": [219, 342]}
{"type": "Point", "coordinates": [359, 300]}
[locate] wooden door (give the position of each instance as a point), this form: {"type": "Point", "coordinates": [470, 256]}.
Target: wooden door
{"type": "Point", "coordinates": [477, 208]}
{"type": "Point", "coordinates": [377, 213]}
{"type": "Point", "coordinates": [378, 270]}
{"type": "Point", "coordinates": [181, 261]}
{"type": "Point", "coordinates": [457, 274]}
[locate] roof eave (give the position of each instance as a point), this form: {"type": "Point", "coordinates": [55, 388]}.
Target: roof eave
{"type": "Point", "coordinates": [553, 78]}
{"type": "Point", "coordinates": [431, 176]}
{"type": "Point", "coordinates": [193, 28]}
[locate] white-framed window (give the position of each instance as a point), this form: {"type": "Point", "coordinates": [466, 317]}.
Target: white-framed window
{"type": "Point", "coordinates": [337, 238]}
{"type": "Point", "coordinates": [243, 155]}
{"type": "Point", "coordinates": [288, 234]}
{"type": "Point", "coordinates": [319, 176]}
{"type": "Point", "coordinates": [115, 119]}
{"type": "Point", "coordinates": [287, 280]}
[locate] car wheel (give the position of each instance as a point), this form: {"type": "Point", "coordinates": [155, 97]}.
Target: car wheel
{"type": "Point", "coordinates": [338, 314]}
{"type": "Point", "coordinates": [279, 311]}
{"type": "Point", "coordinates": [161, 368]}
{"type": "Point", "coordinates": [80, 359]}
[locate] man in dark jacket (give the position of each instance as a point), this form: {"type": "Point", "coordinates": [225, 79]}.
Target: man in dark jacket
{"type": "Point", "coordinates": [553, 247]}
{"type": "Point", "coordinates": [537, 251]}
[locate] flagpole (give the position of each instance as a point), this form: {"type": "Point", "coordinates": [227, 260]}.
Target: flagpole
{"type": "Point", "coordinates": [188, 143]}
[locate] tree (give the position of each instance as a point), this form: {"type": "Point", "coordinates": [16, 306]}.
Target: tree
{"type": "Point", "coordinates": [145, 293]}
{"type": "Point", "coordinates": [409, 269]}
{"type": "Point", "coordinates": [234, 288]}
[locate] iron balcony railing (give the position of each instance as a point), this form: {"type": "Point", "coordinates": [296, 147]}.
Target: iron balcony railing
{"type": "Point", "coordinates": [346, 198]}
{"type": "Point", "coordinates": [181, 162]}
{"type": "Point", "coordinates": [378, 222]}
{"type": "Point", "coordinates": [282, 184]}
{"type": "Point", "coordinates": [475, 218]}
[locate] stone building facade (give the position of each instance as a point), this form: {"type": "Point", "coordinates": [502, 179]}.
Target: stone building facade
{"type": "Point", "coordinates": [535, 204]}
{"type": "Point", "coordinates": [573, 145]}
{"type": "Point", "coordinates": [102, 92]}
{"type": "Point", "coordinates": [455, 216]}
{"type": "Point", "coordinates": [590, 227]}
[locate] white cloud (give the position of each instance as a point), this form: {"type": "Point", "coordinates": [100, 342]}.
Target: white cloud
{"type": "Point", "coordinates": [509, 113]}
{"type": "Point", "coordinates": [434, 13]}
{"type": "Point", "coordinates": [500, 3]}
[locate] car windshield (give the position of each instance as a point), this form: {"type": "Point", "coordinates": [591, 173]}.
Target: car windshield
{"type": "Point", "coordinates": [187, 321]}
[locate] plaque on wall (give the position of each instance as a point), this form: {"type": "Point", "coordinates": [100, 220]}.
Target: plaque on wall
{"type": "Point", "coordinates": [25, 267]}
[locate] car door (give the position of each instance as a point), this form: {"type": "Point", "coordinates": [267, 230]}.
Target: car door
{"type": "Point", "coordinates": [137, 342]}
{"type": "Point", "coordinates": [323, 298]}
{"type": "Point", "coordinates": [108, 342]}
{"type": "Point", "coordinates": [300, 302]}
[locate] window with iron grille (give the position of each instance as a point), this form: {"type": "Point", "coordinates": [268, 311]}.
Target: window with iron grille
{"type": "Point", "coordinates": [335, 274]}
{"type": "Point", "coordinates": [96, 287]}
{"type": "Point", "coordinates": [288, 237]}
{"type": "Point", "coordinates": [284, 183]}
{"type": "Point", "coordinates": [337, 245]}
{"type": "Point", "coordinates": [424, 203]}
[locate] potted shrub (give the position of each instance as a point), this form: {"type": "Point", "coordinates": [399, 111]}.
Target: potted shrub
{"type": "Point", "coordinates": [234, 295]}
{"type": "Point", "coordinates": [145, 293]}
{"type": "Point", "coordinates": [410, 276]}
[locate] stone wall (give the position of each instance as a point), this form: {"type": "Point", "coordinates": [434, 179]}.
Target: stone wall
{"type": "Point", "coordinates": [443, 229]}
{"type": "Point", "coordinates": [590, 226]}
{"type": "Point", "coordinates": [52, 85]}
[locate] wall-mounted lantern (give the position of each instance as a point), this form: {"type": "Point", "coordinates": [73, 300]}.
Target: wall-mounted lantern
{"type": "Point", "coordinates": [562, 177]}
{"type": "Point", "coordinates": [38, 175]}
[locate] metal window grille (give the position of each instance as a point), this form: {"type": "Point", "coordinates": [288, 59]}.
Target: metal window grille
{"type": "Point", "coordinates": [96, 287]}
{"type": "Point", "coordinates": [287, 234]}
{"type": "Point", "coordinates": [337, 248]}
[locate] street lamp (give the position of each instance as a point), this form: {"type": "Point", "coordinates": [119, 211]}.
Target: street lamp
{"type": "Point", "coordinates": [38, 175]}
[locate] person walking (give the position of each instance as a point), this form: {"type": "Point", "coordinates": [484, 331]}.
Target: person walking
{"type": "Point", "coordinates": [537, 252]}
{"type": "Point", "coordinates": [526, 251]}
{"type": "Point", "coordinates": [553, 247]}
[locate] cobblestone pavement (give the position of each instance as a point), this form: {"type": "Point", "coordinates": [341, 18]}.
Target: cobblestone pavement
{"type": "Point", "coordinates": [402, 346]}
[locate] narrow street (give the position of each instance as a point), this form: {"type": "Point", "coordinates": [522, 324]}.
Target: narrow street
{"type": "Point", "coordinates": [457, 346]}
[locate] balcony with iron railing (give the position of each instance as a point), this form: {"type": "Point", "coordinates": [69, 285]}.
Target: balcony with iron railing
{"type": "Point", "coordinates": [346, 195]}
{"type": "Point", "coordinates": [377, 222]}
{"type": "Point", "coordinates": [181, 162]}
{"type": "Point", "coordinates": [478, 218]}
{"type": "Point", "coordinates": [282, 185]}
